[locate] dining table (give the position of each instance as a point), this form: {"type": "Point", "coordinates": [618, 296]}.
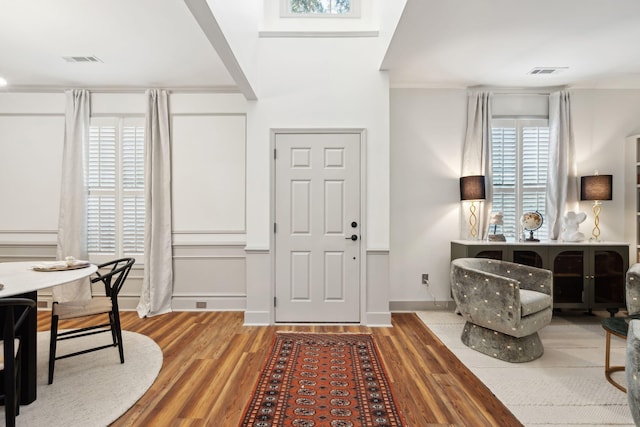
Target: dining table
{"type": "Point", "coordinates": [23, 280]}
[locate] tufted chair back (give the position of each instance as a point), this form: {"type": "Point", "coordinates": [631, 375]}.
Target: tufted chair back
{"type": "Point", "coordinates": [633, 290]}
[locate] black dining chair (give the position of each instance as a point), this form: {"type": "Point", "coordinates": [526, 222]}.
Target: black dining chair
{"type": "Point", "coordinates": [113, 275]}
{"type": "Point", "coordinates": [14, 313]}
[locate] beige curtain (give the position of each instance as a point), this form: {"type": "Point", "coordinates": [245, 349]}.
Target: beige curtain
{"type": "Point", "coordinates": [562, 180]}
{"type": "Point", "coordinates": [72, 220]}
{"type": "Point", "coordinates": [476, 156]}
{"type": "Point", "coordinates": [157, 285]}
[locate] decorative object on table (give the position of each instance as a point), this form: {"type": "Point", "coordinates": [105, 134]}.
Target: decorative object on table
{"type": "Point", "coordinates": [15, 313]}
{"type": "Point", "coordinates": [497, 219]}
{"type": "Point", "coordinates": [596, 188]}
{"type": "Point", "coordinates": [472, 189]}
{"type": "Point", "coordinates": [504, 314]}
{"type": "Point", "coordinates": [531, 221]}
{"type": "Point", "coordinates": [338, 379]}
{"type": "Point", "coordinates": [571, 222]}
{"type": "Point", "coordinates": [69, 263]}
{"type": "Point", "coordinates": [113, 276]}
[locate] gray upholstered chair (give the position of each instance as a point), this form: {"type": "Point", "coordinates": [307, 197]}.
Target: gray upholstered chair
{"type": "Point", "coordinates": [504, 305]}
{"type": "Point", "coordinates": [632, 369]}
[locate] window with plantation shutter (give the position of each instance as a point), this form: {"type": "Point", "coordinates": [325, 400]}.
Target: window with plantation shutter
{"type": "Point", "coordinates": [519, 159]}
{"type": "Point", "coordinates": [115, 205]}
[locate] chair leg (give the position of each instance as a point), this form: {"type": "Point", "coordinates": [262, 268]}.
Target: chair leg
{"type": "Point", "coordinates": [118, 329]}
{"type": "Point", "coordinates": [52, 346]}
{"type": "Point", "coordinates": [10, 396]}
{"type": "Point", "coordinates": [18, 382]}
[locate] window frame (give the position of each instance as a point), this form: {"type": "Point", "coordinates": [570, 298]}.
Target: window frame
{"type": "Point", "coordinates": [519, 123]}
{"type": "Point", "coordinates": [119, 192]}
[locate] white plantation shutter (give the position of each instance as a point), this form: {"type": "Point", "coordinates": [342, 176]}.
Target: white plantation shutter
{"type": "Point", "coordinates": [520, 156]}
{"type": "Point", "coordinates": [504, 173]}
{"type": "Point", "coordinates": [133, 190]}
{"type": "Point", "coordinates": [101, 224]}
{"type": "Point", "coordinates": [535, 162]}
{"type": "Point", "coordinates": [101, 203]}
{"type": "Point", "coordinates": [115, 206]}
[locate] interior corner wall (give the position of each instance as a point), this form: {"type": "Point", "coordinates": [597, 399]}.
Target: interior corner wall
{"type": "Point", "coordinates": [427, 130]}
{"type": "Point", "coordinates": [427, 133]}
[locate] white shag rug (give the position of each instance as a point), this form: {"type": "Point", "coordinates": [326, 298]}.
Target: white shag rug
{"type": "Point", "coordinates": [92, 389]}
{"type": "Point", "coordinates": [564, 387]}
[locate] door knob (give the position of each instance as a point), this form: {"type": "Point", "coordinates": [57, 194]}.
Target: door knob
{"type": "Point", "coordinates": [354, 224]}
{"type": "Point", "coordinates": [353, 237]}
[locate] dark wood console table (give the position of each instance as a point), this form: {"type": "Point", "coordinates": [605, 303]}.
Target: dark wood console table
{"type": "Point", "coordinates": [586, 275]}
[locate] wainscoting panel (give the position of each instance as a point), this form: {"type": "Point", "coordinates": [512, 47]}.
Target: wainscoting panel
{"type": "Point", "coordinates": [206, 277]}
{"type": "Point", "coordinates": [209, 277]}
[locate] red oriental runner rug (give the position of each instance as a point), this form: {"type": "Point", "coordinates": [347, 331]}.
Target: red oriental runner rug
{"type": "Point", "coordinates": [322, 380]}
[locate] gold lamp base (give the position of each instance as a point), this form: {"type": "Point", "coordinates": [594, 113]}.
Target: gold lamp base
{"type": "Point", "coordinates": [595, 233]}
{"type": "Point", "coordinates": [473, 221]}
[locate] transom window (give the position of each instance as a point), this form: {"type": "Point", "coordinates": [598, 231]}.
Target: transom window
{"type": "Point", "coordinates": [115, 205]}
{"type": "Point", "coordinates": [319, 8]}
{"type": "Point", "coordinates": [520, 161]}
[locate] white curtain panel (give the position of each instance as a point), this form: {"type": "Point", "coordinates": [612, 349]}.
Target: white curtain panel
{"type": "Point", "coordinates": [476, 156]}
{"type": "Point", "coordinates": [157, 285]}
{"type": "Point", "coordinates": [72, 220]}
{"type": "Point", "coordinates": [562, 181]}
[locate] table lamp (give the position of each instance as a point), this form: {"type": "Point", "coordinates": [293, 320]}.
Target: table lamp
{"type": "Point", "coordinates": [596, 188]}
{"type": "Point", "coordinates": [472, 188]}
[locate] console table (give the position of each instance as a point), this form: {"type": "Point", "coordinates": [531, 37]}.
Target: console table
{"type": "Point", "coordinates": [586, 275]}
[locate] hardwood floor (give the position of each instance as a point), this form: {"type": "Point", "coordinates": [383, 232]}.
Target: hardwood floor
{"type": "Point", "coordinates": [211, 363]}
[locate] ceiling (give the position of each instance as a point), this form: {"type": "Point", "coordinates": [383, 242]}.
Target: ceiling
{"type": "Point", "coordinates": [141, 43]}
{"type": "Point", "coordinates": [461, 43]}
{"type": "Point", "coordinates": [453, 43]}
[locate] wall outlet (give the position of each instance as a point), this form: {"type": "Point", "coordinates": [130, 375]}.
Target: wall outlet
{"type": "Point", "coordinates": [201, 304]}
{"type": "Point", "coordinates": [425, 279]}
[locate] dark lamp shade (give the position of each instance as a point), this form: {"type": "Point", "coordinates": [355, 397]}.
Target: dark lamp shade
{"type": "Point", "coordinates": [596, 187]}
{"type": "Point", "coordinates": [472, 187]}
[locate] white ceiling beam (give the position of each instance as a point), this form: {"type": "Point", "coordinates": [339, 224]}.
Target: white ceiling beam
{"type": "Point", "coordinates": [209, 25]}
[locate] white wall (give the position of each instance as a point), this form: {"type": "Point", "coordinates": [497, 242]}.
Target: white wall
{"type": "Point", "coordinates": [602, 119]}
{"type": "Point", "coordinates": [318, 83]}
{"type": "Point", "coordinates": [208, 188]}
{"type": "Point", "coordinates": [427, 133]}
{"type": "Point", "coordinates": [427, 130]}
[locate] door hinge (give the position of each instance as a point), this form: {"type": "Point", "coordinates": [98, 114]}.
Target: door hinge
{"type": "Point", "coordinates": [274, 302]}
{"type": "Point", "coordinates": [275, 227]}
{"type": "Point", "coordinates": [275, 155]}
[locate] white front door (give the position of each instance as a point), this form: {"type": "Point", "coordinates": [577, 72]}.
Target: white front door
{"type": "Point", "coordinates": [317, 233]}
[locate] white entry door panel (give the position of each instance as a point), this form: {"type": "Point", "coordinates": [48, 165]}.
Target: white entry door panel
{"type": "Point", "coordinates": [317, 215]}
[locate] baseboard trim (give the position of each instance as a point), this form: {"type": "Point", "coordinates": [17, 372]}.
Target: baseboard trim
{"type": "Point", "coordinates": [257, 318]}
{"type": "Point", "coordinates": [208, 303]}
{"type": "Point", "coordinates": [410, 306]}
{"type": "Point", "coordinates": [378, 320]}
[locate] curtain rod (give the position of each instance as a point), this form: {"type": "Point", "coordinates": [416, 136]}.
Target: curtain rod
{"type": "Point", "coordinates": [546, 90]}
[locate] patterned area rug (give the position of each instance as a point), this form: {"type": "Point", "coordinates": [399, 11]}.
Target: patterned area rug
{"type": "Point", "coordinates": [335, 380]}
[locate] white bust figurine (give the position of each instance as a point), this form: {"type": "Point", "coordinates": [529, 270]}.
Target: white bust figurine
{"type": "Point", "coordinates": [571, 223]}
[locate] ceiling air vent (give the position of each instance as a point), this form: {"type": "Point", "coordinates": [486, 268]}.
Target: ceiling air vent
{"type": "Point", "coordinates": [545, 71]}
{"type": "Point", "coordinates": [81, 59]}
